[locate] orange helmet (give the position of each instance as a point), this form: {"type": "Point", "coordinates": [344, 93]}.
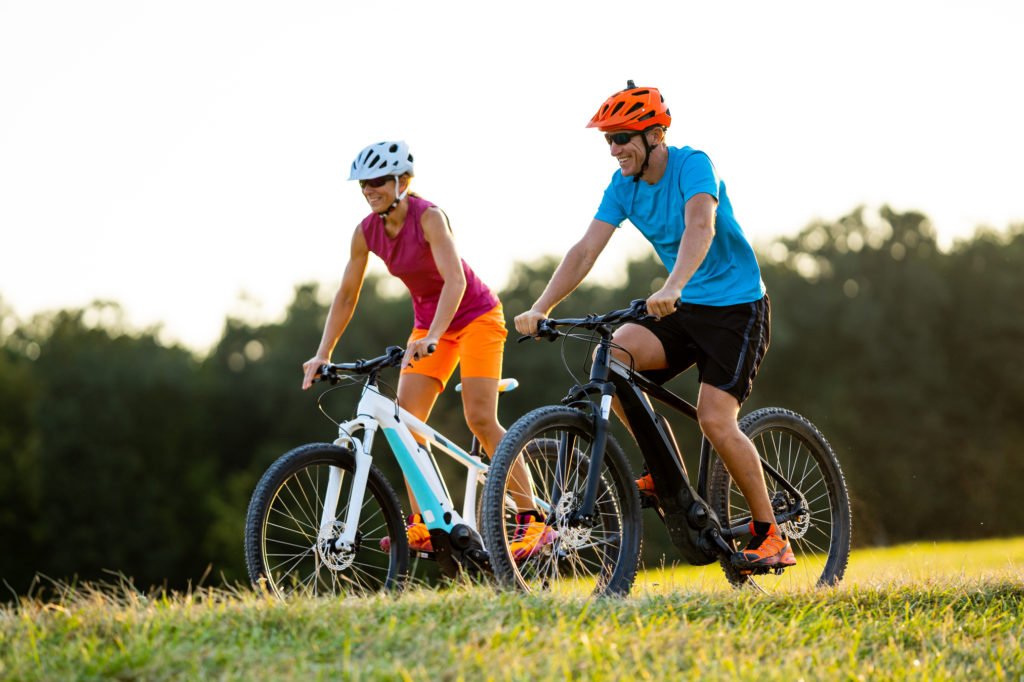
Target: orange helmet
{"type": "Point", "coordinates": [632, 109]}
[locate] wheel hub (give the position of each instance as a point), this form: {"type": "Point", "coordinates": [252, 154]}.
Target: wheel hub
{"type": "Point", "coordinates": [570, 535]}
{"type": "Point", "coordinates": [797, 526]}
{"type": "Point", "coordinates": [331, 556]}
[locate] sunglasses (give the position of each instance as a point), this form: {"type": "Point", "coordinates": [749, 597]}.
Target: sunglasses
{"type": "Point", "coordinates": [375, 182]}
{"type": "Point", "coordinates": [622, 137]}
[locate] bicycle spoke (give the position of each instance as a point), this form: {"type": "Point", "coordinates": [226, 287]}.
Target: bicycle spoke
{"type": "Point", "coordinates": [299, 552]}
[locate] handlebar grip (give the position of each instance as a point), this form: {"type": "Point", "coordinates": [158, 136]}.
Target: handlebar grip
{"type": "Point", "coordinates": [324, 373]}
{"type": "Point", "coordinates": [430, 350]}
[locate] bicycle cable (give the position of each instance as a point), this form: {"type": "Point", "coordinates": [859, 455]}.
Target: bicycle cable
{"type": "Point", "coordinates": [592, 340]}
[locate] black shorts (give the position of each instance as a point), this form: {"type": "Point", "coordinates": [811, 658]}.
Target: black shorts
{"type": "Point", "coordinates": [727, 343]}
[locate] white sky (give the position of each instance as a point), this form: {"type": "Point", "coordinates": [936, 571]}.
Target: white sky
{"type": "Point", "coordinates": [172, 156]}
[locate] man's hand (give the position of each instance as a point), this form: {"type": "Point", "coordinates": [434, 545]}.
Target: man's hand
{"type": "Point", "coordinates": [662, 303]}
{"type": "Point", "coordinates": [526, 323]}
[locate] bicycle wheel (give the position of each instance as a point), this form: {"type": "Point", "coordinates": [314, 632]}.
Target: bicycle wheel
{"type": "Point", "coordinates": [598, 557]}
{"type": "Point", "coordinates": [288, 551]}
{"type": "Point", "coordinates": [820, 537]}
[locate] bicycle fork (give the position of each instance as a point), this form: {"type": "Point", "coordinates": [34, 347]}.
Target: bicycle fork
{"type": "Point", "coordinates": [584, 513]}
{"type": "Point", "coordinates": [357, 491]}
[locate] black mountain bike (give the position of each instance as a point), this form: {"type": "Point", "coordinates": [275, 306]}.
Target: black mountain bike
{"type": "Point", "coordinates": [584, 484]}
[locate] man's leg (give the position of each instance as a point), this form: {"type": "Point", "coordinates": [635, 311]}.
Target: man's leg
{"type": "Point", "coordinates": [638, 347]}
{"type": "Point", "coordinates": [718, 414]}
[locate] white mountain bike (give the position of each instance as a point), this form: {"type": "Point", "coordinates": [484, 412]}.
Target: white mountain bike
{"type": "Point", "coordinates": [324, 520]}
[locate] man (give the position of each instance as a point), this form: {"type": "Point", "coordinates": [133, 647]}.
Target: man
{"type": "Point", "coordinates": [674, 197]}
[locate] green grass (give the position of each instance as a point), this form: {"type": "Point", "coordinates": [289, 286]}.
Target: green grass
{"type": "Point", "coordinates": [923, 612]}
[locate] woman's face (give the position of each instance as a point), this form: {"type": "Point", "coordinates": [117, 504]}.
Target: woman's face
{"type": "Point", "coordinates": [382, 195]}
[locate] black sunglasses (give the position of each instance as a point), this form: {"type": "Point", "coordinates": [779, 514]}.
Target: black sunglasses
{"type": "Point", "coordinates": [622, 137]}
{"type": "Point", "coordinates": [375, 182]}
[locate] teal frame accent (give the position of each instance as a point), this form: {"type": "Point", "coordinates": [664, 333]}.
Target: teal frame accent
{"type": "Point", "coordinates": [417, 482]}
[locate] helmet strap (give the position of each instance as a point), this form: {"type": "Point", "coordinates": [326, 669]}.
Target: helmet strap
{"type": "Point", "coordinates": [398, 199]}
{"type": "Point", "coordinates": [647, 158]}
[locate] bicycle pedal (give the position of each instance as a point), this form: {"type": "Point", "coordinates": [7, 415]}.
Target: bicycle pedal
{"type": "Point", "coordinates": [648, 501]}
{"type": "Point", "coordinates": [479, 559]}
{"type": "Point", "coordinates": [419, 554]}
{"type": "Point", "coordinates": [760, 570]}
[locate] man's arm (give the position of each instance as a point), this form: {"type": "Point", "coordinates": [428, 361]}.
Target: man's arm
{"type": "Point", "coordinates": [693, 247]}
{"type": "Point", "coordinates": [577, 262]}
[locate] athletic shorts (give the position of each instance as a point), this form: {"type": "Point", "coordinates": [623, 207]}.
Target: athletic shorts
{"type": "Point", "coordinates": [479, 346]}
{"type": "Point", "coordinates": [727, 343]}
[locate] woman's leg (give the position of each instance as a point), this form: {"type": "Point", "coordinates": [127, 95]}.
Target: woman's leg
{"type": "Point", "coordinates": [480, 404]}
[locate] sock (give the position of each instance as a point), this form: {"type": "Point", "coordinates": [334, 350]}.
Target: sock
{"type": "Point", "coordinates": [762, 527]}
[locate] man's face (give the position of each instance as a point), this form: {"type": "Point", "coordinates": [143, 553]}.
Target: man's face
{"type": "Point", "coordinates": [627, 146]}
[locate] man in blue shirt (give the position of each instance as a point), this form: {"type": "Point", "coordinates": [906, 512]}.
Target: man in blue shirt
{"type": "Point", "coordinates": [674, 196]}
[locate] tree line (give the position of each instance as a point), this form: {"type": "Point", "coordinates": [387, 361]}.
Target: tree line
{"type": "Point", "coordinates": [122, 454]}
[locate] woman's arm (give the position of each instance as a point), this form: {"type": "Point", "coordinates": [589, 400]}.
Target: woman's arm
{"type": "Point", "coordinates": [449, 265]}
{"type": "Point", "coordinates": [342, 307]}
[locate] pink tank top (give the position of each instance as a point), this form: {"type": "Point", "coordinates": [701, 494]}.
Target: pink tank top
{"type": "Point", "coordinates": [408, 257]}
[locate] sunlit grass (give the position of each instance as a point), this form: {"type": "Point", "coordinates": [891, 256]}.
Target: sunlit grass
{"type": "Point", "coordinates": [947, 611]}
{"type": "Point", "coordinates": [911, 563]}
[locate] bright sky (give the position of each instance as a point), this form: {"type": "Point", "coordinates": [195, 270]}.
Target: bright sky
{"type": "Point", "coordinates": [173, 156]}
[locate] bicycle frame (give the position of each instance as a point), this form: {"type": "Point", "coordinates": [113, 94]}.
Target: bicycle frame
{"type": "Point", "coordinates": [693, 527]}
{"type": "Point", "coordinates": [415, 460]}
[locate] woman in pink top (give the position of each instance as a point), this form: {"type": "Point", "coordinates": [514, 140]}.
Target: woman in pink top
{"type": "Point", "coordinates": [454, 311]}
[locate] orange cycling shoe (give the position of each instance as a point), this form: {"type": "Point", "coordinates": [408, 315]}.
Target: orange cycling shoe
{"type": "Point", "coordinates": [417, 533]}
{"type": "Point", "coordinates": [765, 551]}
{"type": "Point", "coordinates": [530, 535]}
{"type": "Point", "coordinates": [646, 485]}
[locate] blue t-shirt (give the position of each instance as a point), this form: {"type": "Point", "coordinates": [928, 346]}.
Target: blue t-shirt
{"type": "Point", "coordinates": [729, 274]}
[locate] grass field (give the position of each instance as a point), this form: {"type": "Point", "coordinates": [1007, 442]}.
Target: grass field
{"type": "Point", "coordinates": [921, 612]}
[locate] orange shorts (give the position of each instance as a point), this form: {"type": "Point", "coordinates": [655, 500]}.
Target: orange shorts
{"type": "Point", "coordinates": [479, 346]}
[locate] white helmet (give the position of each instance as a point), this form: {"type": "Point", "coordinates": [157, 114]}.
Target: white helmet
{"type": "Point", "coordinates": [382, 158]}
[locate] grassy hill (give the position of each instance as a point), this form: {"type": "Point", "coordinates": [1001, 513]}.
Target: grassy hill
{"type": "Point", "coordinates": [924, 611]}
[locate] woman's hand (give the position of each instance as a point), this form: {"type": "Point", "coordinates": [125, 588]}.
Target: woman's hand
{"type": "Point", "coordinates": [310, 368]}
{"type": "Point", "coordinates": [420, 348]}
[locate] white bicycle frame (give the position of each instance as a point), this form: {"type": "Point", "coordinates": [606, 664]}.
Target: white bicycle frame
{"type": "Point", "coordinates": [416, 461]}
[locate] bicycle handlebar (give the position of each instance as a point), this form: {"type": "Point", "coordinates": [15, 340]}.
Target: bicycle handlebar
{"type": "Point", "coordinates": [392, 358]}
{"type": "Point", "coordinates": [548, 329]}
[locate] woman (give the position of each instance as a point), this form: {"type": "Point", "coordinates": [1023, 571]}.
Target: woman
{"type": "Point", "coordinates": [454, 310]}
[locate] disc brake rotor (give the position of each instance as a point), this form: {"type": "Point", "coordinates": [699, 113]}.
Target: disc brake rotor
{"type": "Point", "coordinates": [334, 558]}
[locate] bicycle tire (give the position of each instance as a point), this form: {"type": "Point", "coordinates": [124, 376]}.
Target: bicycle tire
{"type": "Point", "coordinates": [795, 447]}
{"type": "Point", "coordinates": [285, 551]}
{"type": "Point", "coordinates": [601, 559]}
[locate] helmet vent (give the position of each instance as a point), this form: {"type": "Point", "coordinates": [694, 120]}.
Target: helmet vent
{"type": "Point", "coordinates": [632, 109]}
{"type": "Point", "coordinates": [390, 157]}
